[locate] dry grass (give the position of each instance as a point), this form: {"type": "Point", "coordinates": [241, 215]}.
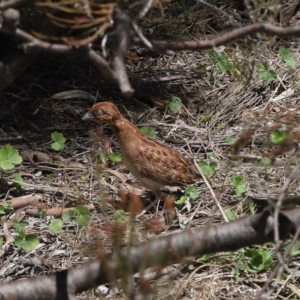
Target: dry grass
{"type": "Point", "coordinates": [236, 105]}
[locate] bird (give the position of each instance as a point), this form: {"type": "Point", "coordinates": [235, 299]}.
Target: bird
{"type": "Point", "coordinates": [153, 163]}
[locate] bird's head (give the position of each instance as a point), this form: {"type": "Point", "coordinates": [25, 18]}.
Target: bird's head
{"type": "Point", "coordinates": [104, 112]}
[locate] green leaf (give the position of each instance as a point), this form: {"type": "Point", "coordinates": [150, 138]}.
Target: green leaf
{"type": "Point", "coordinates": [266, 161]}
{"type": "Point", "coordinates": [101, 157]}
{"type": "Point", "coordinates": [287, 56]}
{"type": "Point", "coordinates": [192, 192]}
{"type": "Point", "coordinates": [84, 177]}
{"type": "Point", "coordinates": [252, 207]}
{"type": "Point", "coordinates": [84, 215]}
{"type": "Point", "coordinates": [218, 83]}
{"type": "Point", "coordinates": [27, 243]}
{"type": "Point", "coordinates": [221, 60]}
{"type": "Point", "coordinates": [221, 125]}
{"type": "Point", "coordinates": [230, 140]}
{"type": "Point", "coordinates": [278, 137]}
{"type": "Point", "coordinates": [149, 131]}
{"type": "Point", "coordinates": [295, 251]}
{"type": "Point", "coordinates": [240, 185]}
{"type": "Point", "coordinates": [58, 141]}
{"type": "Point", "coordinates": [205, 257]}
{"type": "Point", "coordinates": [19, 225]}
{"type": "Point", "coordinates": [265, 73]}
{"type": "Point", "coordinates": [68, 215]}
{"type": "Point", "coordinates": [115, 157]}
{"type": "Point", "coordinates": [212, 154]}
{"type": "Point", "coordinates": [1, 240]}
{"type": "Point", "coordinates": [9, 157]}
{"type": "Point", "coordinates": [200, 69]}
{"type": "Point", "coordinates": [231, 215]}
{"type": "Point", "coordinates": [5, 208]}
{"type": "Point", "coordinates": [206, 118]}
{"type": "Point", "coordinates": [51, 175]}
{"type": "Point", "coordinates": [208, 169]}
{"type": "Point", "coordinates": [120, 216]}
{"type": "Point", "coordinates": [175, 104]}
{"type": "Point", "coordinates": [18, 178]}
{"type": "Point", "coordinates": [41, 213]}
{"type": "Point", "coordinates": [56, 226]}
{"type": "Point", "coordinates": [182, 200]}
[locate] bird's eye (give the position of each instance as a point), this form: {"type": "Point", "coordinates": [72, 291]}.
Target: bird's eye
{"type": "Point", "coordinates": [98, 112]}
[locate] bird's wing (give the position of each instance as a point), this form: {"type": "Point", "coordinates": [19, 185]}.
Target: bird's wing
{"type": "Point", "coordinates": [161, 163]}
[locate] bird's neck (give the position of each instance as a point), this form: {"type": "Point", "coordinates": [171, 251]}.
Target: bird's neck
{"type": "Point", "coordinates": [122, 125]}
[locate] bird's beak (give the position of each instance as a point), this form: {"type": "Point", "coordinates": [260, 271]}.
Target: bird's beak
{"type": "Point", "coordinates": [88, 117]}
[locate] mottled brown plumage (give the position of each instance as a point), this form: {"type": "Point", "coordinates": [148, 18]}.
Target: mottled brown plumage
{"type": "Point", "coordinates": [153, 163]}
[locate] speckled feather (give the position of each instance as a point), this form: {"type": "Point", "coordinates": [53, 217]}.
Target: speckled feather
{"type": "Point", "coordinates": [155, 164]}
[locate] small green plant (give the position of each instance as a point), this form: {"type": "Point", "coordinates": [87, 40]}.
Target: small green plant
{"type": "Point", "coordinates": [185, 11]}
{"type": "Point", "coordinates": [221, 125]}
{"type": "Point", "coordinates": [208, 169]}
{"type": "Point", "coordinates": [68, 215]}
{"type": "Point", "coordinates": [6, 208]}
{"type": "Point", "coordinates": [59, 141]}
{"type": "Point", "coordinates": [206, 118]}
{"type": "Point", "coordinates": [230, 140]}
{"type": "Point", "coordinates": [212, 154]}
{"type": "Point", "coordinates": [265, 161]}
{"type": "Point", "coordinates": [287, 57]}
{"type": "Point", "coordinates": [201, 68]}
{"type": "Point", "coordinates": [19, 225]}
{"type": "Point", "coordinates": [240, 184]}
{"type": "Point", "coordinates": [9, 157]}
{"type": "Point", "coordinates": [51, 175]}
{"type": "Point", "coordinates": [254, 260]}
{"type": "Point", "coordinates": [56, 226]}
{"type": "Point", "coordinates": [84, 177]}
{"type": "Point", "coordinates": [120, 216]}
{"type": "Point", "coordinates": [231, 215]}
{"type": "Point", "coordinates": [189, 193]}
{"type": "Point", "coordinates": [149, 131]}
{"type": "Point", "coordinates": [278, 136]}
{"type": "Point", "coordinates": [222, 62]}
{"type": "Point", "coordinates": [101, 156]}
{"type": "Point", "coordinates": [252, 207]}
{"type": "Point", "coordinates": [295, 251]}
{"type": "Point", "coordinates": [27, 242]}
{"type": "Point", "coordinates": [81, 213]}
{"type": "Point", "coordinates": [175, 104]}
{"type": "Point", "coordinates": [19, 180]}
{"type": "Point", "coordinates": [265, 72]}
{"type": "Point", "coordinates": [115, 157]}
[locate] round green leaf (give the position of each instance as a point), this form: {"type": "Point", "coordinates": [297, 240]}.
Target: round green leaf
{"type": "Point", "coordinates": [28, 243]}
{"type": "Point", "coordinates": [83, 215]}
{"type": "Point", "coordinates": [120, 216]}
{"type": "Point", "coordinates": [208, 169]}
{"type": "Point", "coordinates": [149, 131]}
{"type": "Point", "coordinates": [9, 157]}
{"type": "Point", "coordinates": [59, 141]}
{"type": "Point", "coordinates": [278, 136]}
{"type": "Point", "coordinates": [175, 104]}
{"type": "Point", "coordinates": [56, 226]}
{"type": "Point", "coordinates": [192, 192]}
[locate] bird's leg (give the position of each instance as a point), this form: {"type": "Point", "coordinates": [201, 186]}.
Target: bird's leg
{"type": "Point", "coordinates": [156, 200]}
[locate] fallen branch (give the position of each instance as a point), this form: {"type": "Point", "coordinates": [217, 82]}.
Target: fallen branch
{"type": "Point", "coordinates": [165, 250]}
